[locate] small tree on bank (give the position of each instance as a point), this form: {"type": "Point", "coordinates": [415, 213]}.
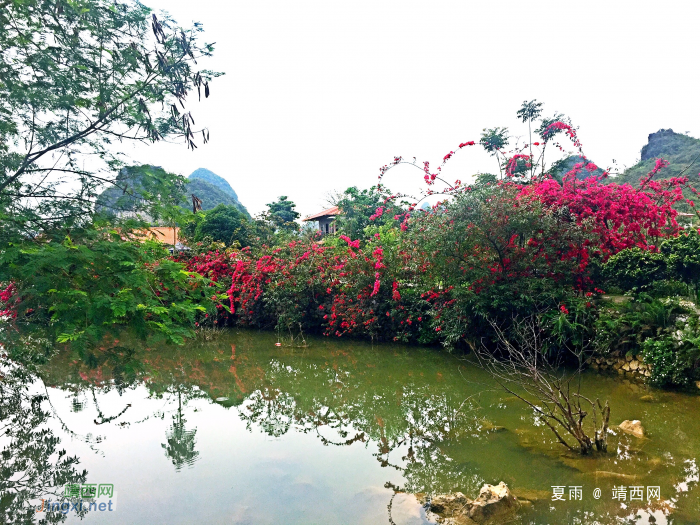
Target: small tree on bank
{"type": "Point", "coordinates": [522, 369]}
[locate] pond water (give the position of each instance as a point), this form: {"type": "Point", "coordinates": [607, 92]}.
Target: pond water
{"type": "Point", "coordinates": [233, 429]}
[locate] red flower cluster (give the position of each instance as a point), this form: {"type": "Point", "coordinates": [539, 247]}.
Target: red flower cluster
{"type": "Point", "coordinates": [8, 301]}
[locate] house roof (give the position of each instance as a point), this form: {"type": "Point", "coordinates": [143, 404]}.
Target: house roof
{"type": "Point", "coordinates": [330, 212]}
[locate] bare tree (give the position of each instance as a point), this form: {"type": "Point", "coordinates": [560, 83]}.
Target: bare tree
{"type": "Point", "coordinates": [551, 389]}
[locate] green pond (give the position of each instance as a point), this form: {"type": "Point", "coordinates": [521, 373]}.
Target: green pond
{"type": "Point", "coordinates": [231, 428]}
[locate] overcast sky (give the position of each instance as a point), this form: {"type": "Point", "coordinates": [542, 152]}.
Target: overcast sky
{"type": "Point", "coordinates": [318, 95]}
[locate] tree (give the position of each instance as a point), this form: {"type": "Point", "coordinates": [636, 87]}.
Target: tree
{"type": "Point", "coordinates": [635, 267]}
{"type": "Point", "coordinates": [282, 214]}
{"type": "Point", "coordinates": [181, 442]}
{"type": "Point", "coordinates": [362, 208]}
{"type": "Point", "coordinates": [78, 76]}
{"type": "Point", "coordinates": [493, 141]}
{"type": "Point", "coordinates": [224, 224]}
{"type": "Point", "coordinates": [523, 370]}
{"type": "Point", "coordinates": [683, 256]}
{"type": "Point", "coordinates": [528, 112]}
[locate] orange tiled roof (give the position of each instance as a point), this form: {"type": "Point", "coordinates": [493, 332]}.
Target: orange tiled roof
{"type": "Point", "coordinates": [330, 212]}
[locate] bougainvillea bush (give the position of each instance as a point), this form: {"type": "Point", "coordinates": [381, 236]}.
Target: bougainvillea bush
{"type": "Point", "coordinates": [494, 250]}
{"type": "Point", "coordinates": [336, 287]}
{"type": "Point", "coordinates": [500, 248]}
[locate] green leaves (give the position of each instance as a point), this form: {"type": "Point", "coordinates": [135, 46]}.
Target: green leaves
{"type": "Point", "coordinates": [69, 338]}
{"type": "Point", "coordinates": [76, 76]}
{"type": "Point", "coordinates": [634, 268]}
{"type": "Point", "coordinates": [92, 284]}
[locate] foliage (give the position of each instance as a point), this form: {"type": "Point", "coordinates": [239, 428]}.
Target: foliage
{"type": "Point", "coordinates": [223, 224]}
{"type": "Point", "coordinates": [675, 354]}
{"type": "Point", "coordinates": [86, 285]}
{"type": "Point", "coordinates": [360, 208]}
{"type": "Point", "coordinates": [635, 268]}
{"type": "Point", "coordinates": [495, 250]}
{"type": "Point", "coordinates": [283, 215]}
{"type": "Point", "coordinates": [627, 325]}
{"type": "Point", "coordinates": [76, 77]}
{"type": "Point", "coordinates": [683, 256]}
{"type": "Point", "coordinates": [677, 260]}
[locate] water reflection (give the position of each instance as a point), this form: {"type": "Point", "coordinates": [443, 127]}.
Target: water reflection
{"type": "Point", "coordinates": [33, 466]}
{"type": "Point", "coordinates": [431, 423]}
{"type": "Point", "coordinates": [180, 441]}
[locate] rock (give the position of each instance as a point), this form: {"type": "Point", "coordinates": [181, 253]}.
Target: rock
{"type": "Point", "coordinates": [494, 505]}
{"type": "Point", "coordinates": [532, 494]}
{"type": "Point", "coordinates": [626, 367]}
{"type": "Point", "coordinates": [634, 365]}
{"type": "Point", "coordinates": [488, 426]}
{"type": "Point", "coordinates": [620, 371]}
{"type": "Point", "coordinates": [633, 427]}
{"type": "Point", "coordinates": [628, 358]}
{"type": "Point", "coordinates": [697, 384]}
{"type": "Point", "coordinates": [606, 474]}
{"type": "Point", "coordinates": [448, 505]}
{"type": "Point", "coordinates": [648, 398]}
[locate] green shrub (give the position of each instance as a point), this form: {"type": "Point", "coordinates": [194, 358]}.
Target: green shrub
{"type": "Point", "coordinates": [626, 326]}
{"type": "Point", "coordinates": [634, 268]}
{"type": "Point", "coordinates": [682, 254]}
{"type": "Point", "coordinates": [675, 356]}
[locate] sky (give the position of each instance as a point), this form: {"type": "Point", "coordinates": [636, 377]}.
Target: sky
{"type": "Point", "coordinates": [317, 95]}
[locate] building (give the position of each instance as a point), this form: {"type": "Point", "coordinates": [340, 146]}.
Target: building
{"type": "Point", "coordinates": [325, 219]}
{"type": "Point", "coordinates": [164, 234]}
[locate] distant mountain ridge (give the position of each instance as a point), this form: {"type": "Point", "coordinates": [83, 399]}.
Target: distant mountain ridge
{"type": "Point", "coordinates": [212, 178]}
{"type": "Point", "coordinates": [206, 185]}
{"type": "Point", "coordinates": [563, 166]}
{"type": "Point", "coordinates": [213, 190]}
{"type": "Point", "coordinates": [678, 149]}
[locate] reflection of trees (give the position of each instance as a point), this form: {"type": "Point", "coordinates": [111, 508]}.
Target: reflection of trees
{"type": "Point", "coordinates": [342, 397]}
{"type": "Point", "coordinates": [409, 421]}
{"type": "Point", "coordinates": [169, 375]}
{"type": "Point", "coordinates": [31, 465]}
{"type": "Point", "coordinates": [271, 409]}
{"type": "Point", "coordinates": [180, 441]}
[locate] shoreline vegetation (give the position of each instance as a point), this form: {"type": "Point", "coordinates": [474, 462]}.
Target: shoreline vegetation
{"type": "Point", "coordinates": [547, 267]}
{"type": "Point", "coordinates": [464, 265]}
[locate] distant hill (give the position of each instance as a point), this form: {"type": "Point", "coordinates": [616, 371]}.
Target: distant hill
{"type": "Point", "coordinates": [563, 166]}
{"type": "Point", "coordinates": [680, 150]}
{"type": "Point", "coordinates": [212, 190]}
{"type": "Point", "coordinates": [212, 178]}
{"type": "Point", "coordinates": [206, 185]}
